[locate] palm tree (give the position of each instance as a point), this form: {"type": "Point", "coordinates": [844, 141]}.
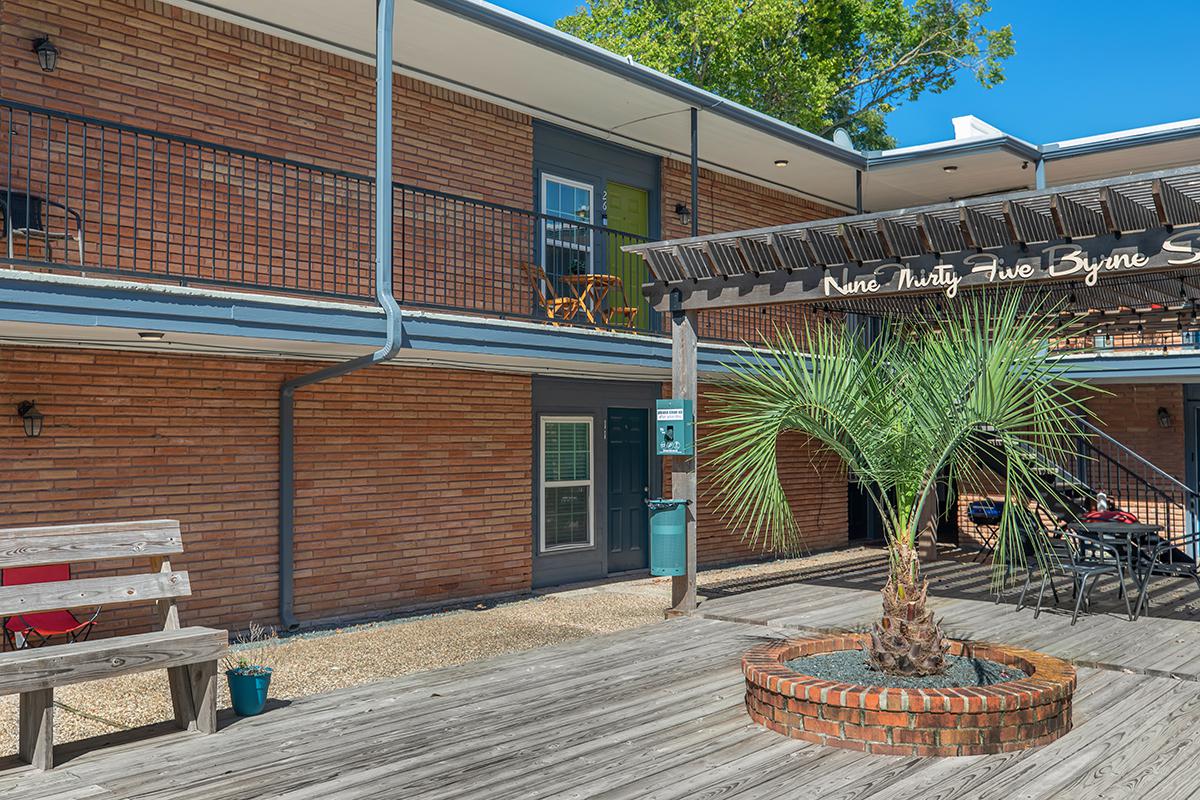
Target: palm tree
{"type": "Point", "coordinates": [958, 395]}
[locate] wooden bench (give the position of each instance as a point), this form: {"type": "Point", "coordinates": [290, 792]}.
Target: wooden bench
{"type": "Point", "coordinates": [190, 655]}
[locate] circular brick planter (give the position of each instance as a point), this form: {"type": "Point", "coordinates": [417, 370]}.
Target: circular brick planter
{"type": "Point", "coordinates": [910, 722]}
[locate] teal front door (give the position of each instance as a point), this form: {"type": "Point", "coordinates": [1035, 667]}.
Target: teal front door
{"type": "Point", "coordinates": [628, 485]}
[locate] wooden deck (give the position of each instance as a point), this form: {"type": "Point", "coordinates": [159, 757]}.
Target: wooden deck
{"type": "Point", "coordinates": [657, 712]}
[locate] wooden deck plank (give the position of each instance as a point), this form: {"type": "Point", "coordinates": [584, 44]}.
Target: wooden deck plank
{"type": "Point", "coordinates": [657, 712]}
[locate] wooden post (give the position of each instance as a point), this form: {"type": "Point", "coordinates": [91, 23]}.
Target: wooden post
{"type": "Point", "coordinates": [177, 677]}
{"type": "Point", "coordinates": [35, 738]}
{"type": "Point", "coordinates": [203, 686]}
{"type": "Point", "coordinates": [683, 468]}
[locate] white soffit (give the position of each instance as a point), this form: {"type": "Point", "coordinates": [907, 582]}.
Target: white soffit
{"type": "Point", "coordinates": [927, 181]}
{"type": "Point", "coordinates": [1130, 160]}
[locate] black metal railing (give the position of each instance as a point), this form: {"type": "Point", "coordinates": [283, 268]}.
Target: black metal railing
{"type": "Point", "coordinates": [104, 198]}
{"type": "Point", "coordinates": [1160, 342]}
{"type": "Point", "coordinates": [86, 195]}
{"type": "Point", "coordinates": [1135, 483]}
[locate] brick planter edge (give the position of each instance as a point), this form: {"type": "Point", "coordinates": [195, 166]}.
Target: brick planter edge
{"type": "Point", "coordinates": [910, 722]}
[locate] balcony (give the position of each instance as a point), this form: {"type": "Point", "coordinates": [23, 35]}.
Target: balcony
{"type": "Point", "coordinates": [83, 196]}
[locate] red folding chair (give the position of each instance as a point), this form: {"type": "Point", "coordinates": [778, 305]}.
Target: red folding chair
{"type": "Point", "coordinates": [35, 629]}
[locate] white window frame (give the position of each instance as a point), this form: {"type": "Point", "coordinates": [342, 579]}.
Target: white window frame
{"type": "Point", "coordinates": [590, 247]}
{"type": "Point", "coordinates": [543, 484]}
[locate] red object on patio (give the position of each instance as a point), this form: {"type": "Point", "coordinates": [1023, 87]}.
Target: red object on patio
{"type": "Point", "coordinates": [1109, 516]}
{"type": "Point", "coordinates": [37, 628]}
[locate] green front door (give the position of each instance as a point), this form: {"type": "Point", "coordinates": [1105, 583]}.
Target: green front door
{"type": "Point", "coordinates": [628, 211]}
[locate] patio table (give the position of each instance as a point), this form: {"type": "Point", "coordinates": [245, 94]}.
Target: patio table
{"type": "Point", "coordinates": [1132, 536]}
{"type": "Point", "coordinates": [590, 289]}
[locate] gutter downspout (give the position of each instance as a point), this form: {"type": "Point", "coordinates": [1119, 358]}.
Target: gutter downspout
{"type": "Point", "coordinates": [384, 19]}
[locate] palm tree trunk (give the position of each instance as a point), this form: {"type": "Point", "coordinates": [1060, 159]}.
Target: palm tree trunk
{"type": "Point", "coordinates": [907, 640]}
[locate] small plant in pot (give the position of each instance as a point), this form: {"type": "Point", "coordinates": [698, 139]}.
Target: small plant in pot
{"type": "Point", "coordinates": [249, 677]}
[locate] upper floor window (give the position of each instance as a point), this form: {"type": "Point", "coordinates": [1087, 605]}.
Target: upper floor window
{"type": "Point", "coordinates": [566, 235]}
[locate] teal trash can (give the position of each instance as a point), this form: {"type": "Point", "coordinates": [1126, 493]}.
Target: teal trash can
{"type": "Point", "coordinates": [668, 537]}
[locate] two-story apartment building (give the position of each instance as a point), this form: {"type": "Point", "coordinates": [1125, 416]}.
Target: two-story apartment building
{"type": "Point", "coordinates": [188, 200]}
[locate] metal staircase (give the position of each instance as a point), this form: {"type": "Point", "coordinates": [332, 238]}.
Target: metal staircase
{"type": "Point", "coordinates": [1101, 463]}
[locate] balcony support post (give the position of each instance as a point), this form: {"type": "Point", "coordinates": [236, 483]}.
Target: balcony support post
{"type": "Point", "coordinates": [683, 468]}
{"type": "Point", "coordinates": [384, 23]}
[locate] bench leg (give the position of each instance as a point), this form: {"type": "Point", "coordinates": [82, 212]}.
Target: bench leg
{"type": "Point", "coordinates": [36, 737]}
{"type": "Point", "coordinates": [204, 695]}
{"type": "Point", "coordinates": [181, 697]}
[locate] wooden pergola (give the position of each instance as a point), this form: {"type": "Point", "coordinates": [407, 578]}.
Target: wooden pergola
{"type": "Point", "coordinates": [1123, 248]}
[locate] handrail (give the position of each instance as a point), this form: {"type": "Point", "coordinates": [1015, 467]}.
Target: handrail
{"type": "Point", "coordinates": [298, 164]}
{"type": "Point", "coordinates": [182, 139]}
{"type": "Point", "coordinates": [1094, 431]}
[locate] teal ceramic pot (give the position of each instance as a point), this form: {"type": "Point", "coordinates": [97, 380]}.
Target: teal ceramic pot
{"type": "Point", "coordinates": [248, 692]}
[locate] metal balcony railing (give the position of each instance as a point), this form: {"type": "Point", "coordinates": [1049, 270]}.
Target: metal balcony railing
{"type": "Point", "coordinates": [83, 195]}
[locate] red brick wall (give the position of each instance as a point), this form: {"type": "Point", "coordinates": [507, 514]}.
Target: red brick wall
{"type": "Point", "coordinates": [381, 522]}
{"type": "Point", "coordinates": [146, 63]}
{"type": "Point", "coordinates": [413, 485]}
{"type": "Point", "coordinates": [816, 489]}
{"type": "Point", "coordinates": [210, 215]}
{"type": "Point", "coordinates": [1129, 414]}
{"type": "Point", "coordinates": [731, 204]}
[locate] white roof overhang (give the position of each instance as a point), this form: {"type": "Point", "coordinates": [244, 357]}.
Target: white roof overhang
{"type": "Point", "coordinates": [485, 51]}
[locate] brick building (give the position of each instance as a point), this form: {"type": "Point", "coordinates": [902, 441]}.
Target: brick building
{"type": "Point", "coordinates": [215, 164]}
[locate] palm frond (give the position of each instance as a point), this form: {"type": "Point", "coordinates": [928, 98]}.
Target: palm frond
{"type": "Point", "coordinates": [967, 392]}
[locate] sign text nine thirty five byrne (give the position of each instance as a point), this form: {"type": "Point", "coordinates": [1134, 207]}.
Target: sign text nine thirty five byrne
{"type": "Point", "coordinates": [1062, 260]}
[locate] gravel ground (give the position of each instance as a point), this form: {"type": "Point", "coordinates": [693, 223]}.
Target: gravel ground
{"type": "Point", "coordinates": [850, 666]}
{"type": "Point", "coordinates": [318, 662]}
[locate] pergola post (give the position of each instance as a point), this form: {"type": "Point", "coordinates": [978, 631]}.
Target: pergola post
{"type": "Point", "coordinates": [683, 468]}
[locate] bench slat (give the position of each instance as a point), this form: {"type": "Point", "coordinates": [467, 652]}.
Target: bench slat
{"type": "Point", "coordinates": [33, 597]}
{"type": "Point", "coordinates": [90, 528]}
{"type": "Point", "coordinates": [35, 551]}
{"type": "Point", "coordinates": [42, 668]}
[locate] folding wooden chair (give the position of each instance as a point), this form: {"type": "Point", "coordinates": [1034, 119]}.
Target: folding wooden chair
{"type": "Point", "coordinates": [625, 313]}
{"type": "Point", "coordinates": [556, 308]}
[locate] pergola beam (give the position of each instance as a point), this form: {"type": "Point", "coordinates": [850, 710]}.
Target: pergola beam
{"type": "Point", "coordinates": [1127, 255]}
{"type": "Point", "coordinates": [1027, 237]}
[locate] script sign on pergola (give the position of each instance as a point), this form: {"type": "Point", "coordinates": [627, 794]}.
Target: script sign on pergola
{"type": "Point", "coordinates": [1121, 246]}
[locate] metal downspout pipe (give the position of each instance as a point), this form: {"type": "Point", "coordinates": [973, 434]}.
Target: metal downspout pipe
{"type": "Point", "coordinates": [384, 18]}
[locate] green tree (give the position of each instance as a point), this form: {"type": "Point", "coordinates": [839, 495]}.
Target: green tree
{"type": "Point", "coordinates": [818, 64]}
{"type": "Point", "coordinates": [961, 394]}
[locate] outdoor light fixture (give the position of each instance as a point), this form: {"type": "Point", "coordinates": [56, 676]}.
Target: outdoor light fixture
{"type": "Point", "coordinates": [950, 168]}
{"type": "Point", "coordinates": [684, 213]}
{"type": "Point", "coordinates": [47, 53]}
{"type": "Point", "coordinates": [31, 418]}
{"type": "Point", "coordinates": [151, 336]}
{"type": "Point", "coordinates": [781, 162]}
{"type": "Point", "coordinates": [1164, 418]}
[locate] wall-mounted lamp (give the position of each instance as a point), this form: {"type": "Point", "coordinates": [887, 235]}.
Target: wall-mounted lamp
{"type": "Point", "coordinates": [31, 418]}
{"type": "Point", "coordinates": [1164, 418]}
{"type": "Point", "coordinates": [47, 53]}
{"type": "Point", "coordinates": [684, 213]}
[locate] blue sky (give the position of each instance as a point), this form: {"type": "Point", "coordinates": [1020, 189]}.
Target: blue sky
{"type": "Point", "coordinates": [1081, 68]}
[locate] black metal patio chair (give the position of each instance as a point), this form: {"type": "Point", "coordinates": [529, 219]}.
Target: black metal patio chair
{"type": "Point", "coordinates": [1169, 558]}
{"type": "Point", "coordinates": [25, 214]}
{"type": "Point", "coordinates": [1085, 560]}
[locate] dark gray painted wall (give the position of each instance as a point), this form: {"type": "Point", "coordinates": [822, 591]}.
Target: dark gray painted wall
{"type": "Point", "coordinates": [553, 396]}
{"type": "Point", "coordinates": [572, 155]}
